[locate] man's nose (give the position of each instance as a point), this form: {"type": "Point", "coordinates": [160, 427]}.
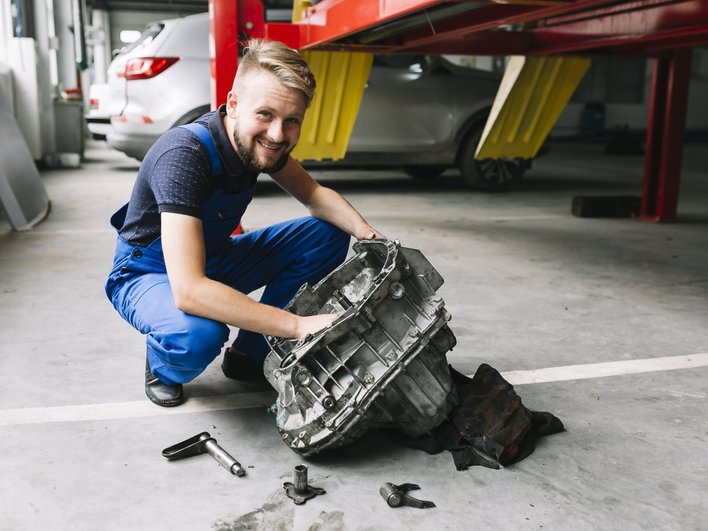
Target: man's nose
{"type": "Point", "coordinates": [276, 131]}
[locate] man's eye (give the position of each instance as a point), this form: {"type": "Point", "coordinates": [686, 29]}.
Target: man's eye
{"type": "Point", "coordinates": [264, 114]}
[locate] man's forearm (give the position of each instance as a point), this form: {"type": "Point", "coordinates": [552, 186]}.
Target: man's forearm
{"type": "Point", "coordinates": [330, 206]}
{"type": "Point", "coordinates": [322, 202]}
{"type": "Point", "coordinates": [214, 300]}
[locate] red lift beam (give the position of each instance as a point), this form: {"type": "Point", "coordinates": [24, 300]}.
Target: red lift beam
{"type": "Point", "coordinates": [663, 29]}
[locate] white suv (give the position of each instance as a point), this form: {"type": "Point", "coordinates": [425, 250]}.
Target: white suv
{"type": "Point", "coordinates": [160, 81]}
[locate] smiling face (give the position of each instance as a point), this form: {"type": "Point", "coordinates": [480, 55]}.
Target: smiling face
{"type": "Point", "coordinates": [263, 119]}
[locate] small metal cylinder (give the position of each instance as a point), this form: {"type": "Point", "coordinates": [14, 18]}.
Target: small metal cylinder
{"type": "Point", "coordinates": [389, 493]}
{"type": "Point", "coordinates": [300, 481]}
{"type": "Point", "coordinates": [224, 458]}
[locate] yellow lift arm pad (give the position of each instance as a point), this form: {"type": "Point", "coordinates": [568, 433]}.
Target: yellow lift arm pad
{"type": "Point", "coordinates": [531, 96]}
{"type": "Point", "coordinates": [341, 78]}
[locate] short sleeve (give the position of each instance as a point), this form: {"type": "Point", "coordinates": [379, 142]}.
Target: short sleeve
{"type": "Point", "coordinates": [180, 177]}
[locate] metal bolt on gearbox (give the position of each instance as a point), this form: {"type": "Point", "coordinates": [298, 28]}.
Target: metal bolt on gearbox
{"type": "Point", "coordinates": [391, 335]}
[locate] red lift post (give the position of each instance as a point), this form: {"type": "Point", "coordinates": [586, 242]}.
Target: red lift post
{"type": "Point", "coordinates": [664, 147]}
{"type": "Point", "coordinates": [223, 48]}
{"type": "Point", "coordinates": [665, 30]}
{"type": "Point", "coordinates": [229, 21]}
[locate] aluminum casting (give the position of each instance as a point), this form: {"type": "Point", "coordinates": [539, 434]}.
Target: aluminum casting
{"type": "Point", "coordinates": [380, 364]}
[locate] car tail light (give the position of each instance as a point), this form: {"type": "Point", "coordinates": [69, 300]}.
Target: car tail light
{"type": "Point", "coordinates": [147, 67]}
{"type": "Point", "coordinates": [93, 103]}
{"type": "Point", "coordinates": [133, 118]}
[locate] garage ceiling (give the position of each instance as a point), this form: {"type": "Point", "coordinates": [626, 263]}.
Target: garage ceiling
{"type": "Point", "coordinates": [181, 7]}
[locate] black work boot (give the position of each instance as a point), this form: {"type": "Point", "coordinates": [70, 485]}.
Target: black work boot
{"type": "Point", "coordinates": [237, 366]}
{"type": "Point", "coordinates": [159, 392]}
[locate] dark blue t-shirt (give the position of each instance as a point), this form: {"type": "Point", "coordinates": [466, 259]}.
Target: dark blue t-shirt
{"type": "Point", "coordinates": [175, 176]}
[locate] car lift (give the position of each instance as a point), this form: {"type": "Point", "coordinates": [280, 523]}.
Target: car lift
{"type": "Point", "coordinates": [664, 30]}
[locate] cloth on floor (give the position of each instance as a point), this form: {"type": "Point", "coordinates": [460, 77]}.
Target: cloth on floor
{"type": "Point", "coordinates": [490, 427]}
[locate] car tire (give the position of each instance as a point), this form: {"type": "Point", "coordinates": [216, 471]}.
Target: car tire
{"type": "Point", "coordinates": [489, 175]}
{"type": "Point", "coordinates": [424, 172]}
{"type": "Point", "coordinates": [192, 115]}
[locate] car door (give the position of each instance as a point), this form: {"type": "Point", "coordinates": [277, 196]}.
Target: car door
{"type": "Point", "coordinates": [404, 108]}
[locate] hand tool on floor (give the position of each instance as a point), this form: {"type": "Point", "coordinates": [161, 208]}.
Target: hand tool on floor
{"type": "Point", "coordinates": [299, 491]}
{"type": "Point", "coordinates": [396, 495]}
{"type": "Point", "coordinates": [200, 444]}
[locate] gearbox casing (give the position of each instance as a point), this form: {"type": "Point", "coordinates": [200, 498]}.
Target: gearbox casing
{"type": "Point", "coordinates": [382, 363]}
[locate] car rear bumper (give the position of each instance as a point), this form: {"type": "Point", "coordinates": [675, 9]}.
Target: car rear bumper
{"type": "Point", "coordinates": [98, 127]}
{"type": "Point", "coordinates": [133, 145]}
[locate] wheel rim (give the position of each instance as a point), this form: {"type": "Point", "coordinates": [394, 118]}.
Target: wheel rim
{"type": "Point", "coordinates": [500, 172]}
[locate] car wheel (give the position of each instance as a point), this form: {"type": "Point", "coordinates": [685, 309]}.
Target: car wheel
{"type": "Point", "coordinates": [490, 175]}
{"type": "Point", "coordinates": [424, 172]}
{"type": "Point", "coordinates": [192, 115]}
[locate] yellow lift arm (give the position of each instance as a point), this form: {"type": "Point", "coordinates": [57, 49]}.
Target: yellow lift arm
{"type": "Point", "coordinates": [531, 96]}
{"type": "Point", "coordinates": [341, 79]}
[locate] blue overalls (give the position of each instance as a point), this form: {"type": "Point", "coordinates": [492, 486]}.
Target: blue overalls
{"type": "Point", "coordinates": [281, 257]}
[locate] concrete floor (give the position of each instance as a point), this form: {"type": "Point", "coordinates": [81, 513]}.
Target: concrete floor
{"type": "Point", "coordinates": [529, 287]}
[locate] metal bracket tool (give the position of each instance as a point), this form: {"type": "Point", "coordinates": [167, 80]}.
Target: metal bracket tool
{"type": "Point", "coordinates": [200, 444]}
{"type": "Point", "coordinates": [300, 491]}
{"type": "Point", "coordinates": [396, 495]}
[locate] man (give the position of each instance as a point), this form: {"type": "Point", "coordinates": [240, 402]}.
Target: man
{"type": "Point", "coordinates": [178, 275]}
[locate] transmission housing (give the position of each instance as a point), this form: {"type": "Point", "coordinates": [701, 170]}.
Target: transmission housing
{"type": "Point", "coordinates": [382, 363]}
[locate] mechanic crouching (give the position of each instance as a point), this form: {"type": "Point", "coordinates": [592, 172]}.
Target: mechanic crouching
{"type": "Point", "coordinates": [179, 275]}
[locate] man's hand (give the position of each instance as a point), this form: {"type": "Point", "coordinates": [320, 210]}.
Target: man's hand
{"type": "Point", "coordinates": [368, 233]}
{"type": "Point", "coordinates": [314, 323]}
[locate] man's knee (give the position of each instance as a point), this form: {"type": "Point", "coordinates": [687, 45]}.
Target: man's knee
{"type": "Point", "coordinates": [333, 237]}
{"type": "Point", "coordinates": [329, 231]}
{"type": "Point", "coordinates": [192, 345]}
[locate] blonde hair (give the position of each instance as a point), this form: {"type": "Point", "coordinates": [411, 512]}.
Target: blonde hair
{"type": "Point", "coordinates": [283, 62]}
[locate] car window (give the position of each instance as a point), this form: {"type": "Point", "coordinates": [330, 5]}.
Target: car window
{"type": "Point", "coordinates": [146, 37]}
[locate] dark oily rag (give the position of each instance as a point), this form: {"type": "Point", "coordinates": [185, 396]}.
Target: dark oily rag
{"type": "Point", "coordinates": [490, 427]}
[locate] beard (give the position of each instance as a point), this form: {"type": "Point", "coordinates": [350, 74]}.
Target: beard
{"type": "Point", "coordinates": [251, 162]}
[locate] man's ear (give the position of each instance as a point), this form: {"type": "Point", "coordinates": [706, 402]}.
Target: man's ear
{"type": "Point", "coordinates": [231, 102]}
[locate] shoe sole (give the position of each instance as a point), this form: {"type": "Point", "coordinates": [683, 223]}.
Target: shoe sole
{"type": "Point", "coordinates": [164, 403]}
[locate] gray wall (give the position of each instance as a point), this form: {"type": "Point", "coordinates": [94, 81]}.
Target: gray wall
{"type": "Point", "coordinates": [635, 115]}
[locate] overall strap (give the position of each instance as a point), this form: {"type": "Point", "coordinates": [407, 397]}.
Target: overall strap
{"type": "Point", "coordinates": [203, 134]}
